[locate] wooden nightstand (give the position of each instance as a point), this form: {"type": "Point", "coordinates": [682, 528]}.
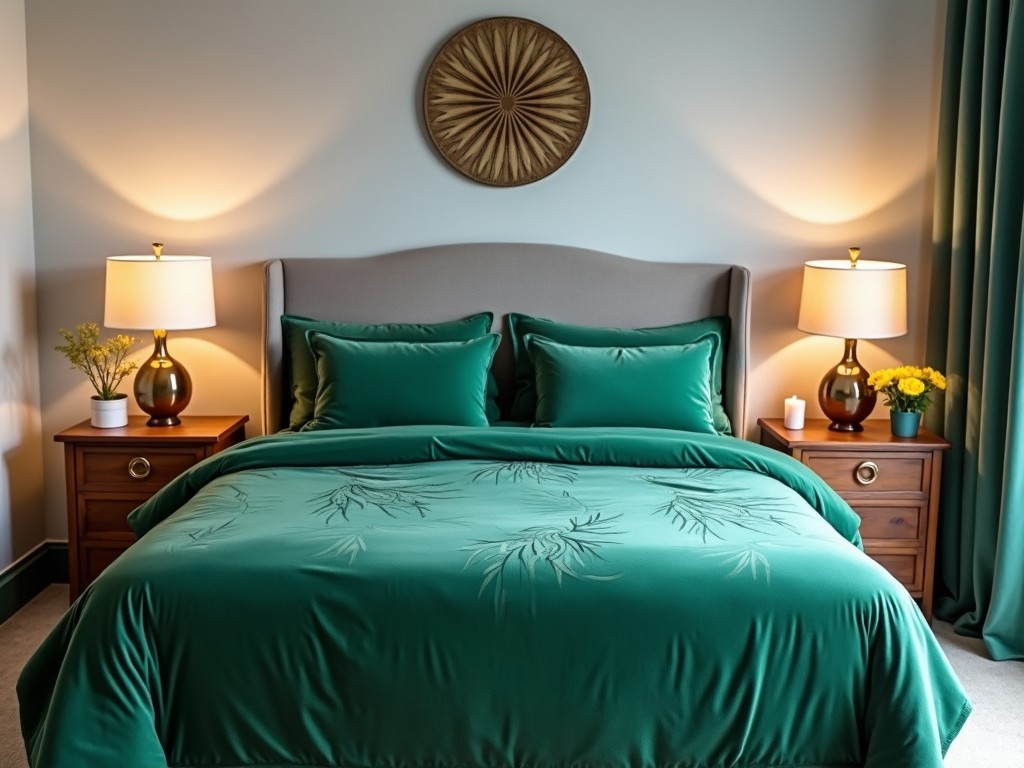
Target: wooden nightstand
{"type": "Point", "coordinates": [109, 472]}
{"type": "Point", "coordinates": [891, 482]}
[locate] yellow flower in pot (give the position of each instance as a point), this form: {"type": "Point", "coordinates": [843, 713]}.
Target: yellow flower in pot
{"type": "Point", "coordinates": [106, 364]}
{"type": "Point", "coordinates": [906, 391]}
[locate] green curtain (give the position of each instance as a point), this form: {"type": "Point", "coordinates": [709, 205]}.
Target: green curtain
{"type": "Point", "coordinates": [976, 323]}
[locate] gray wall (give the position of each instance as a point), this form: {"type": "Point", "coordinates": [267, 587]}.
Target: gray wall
{"type": "Point", "coordinates": [21, 475]}
{"type": "Point", "coordinates": [739, 131]}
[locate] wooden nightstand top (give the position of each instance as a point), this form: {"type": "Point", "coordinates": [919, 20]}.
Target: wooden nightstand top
{"type": "Point", "coordinates": [876, 436]}
{"type": "Point", "coordinates": [193, 430]}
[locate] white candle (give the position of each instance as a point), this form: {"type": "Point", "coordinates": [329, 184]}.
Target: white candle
{"type": "Point", "coordinates": [794, 413]}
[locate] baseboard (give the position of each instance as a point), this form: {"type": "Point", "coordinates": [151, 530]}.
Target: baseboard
{"type": "Point", "coordinates": [45, 565]}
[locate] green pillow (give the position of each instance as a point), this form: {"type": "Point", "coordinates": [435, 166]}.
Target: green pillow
{"type": "Point", "coordinates": [302, 372]}
{"type": "Point", "coordinates": [389, 383]}
{"type": "Point", "coordinates": [714, 329]}
{"type": "Point", "coordinates": [665, 386]}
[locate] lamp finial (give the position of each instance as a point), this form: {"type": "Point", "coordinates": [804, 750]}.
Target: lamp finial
{"type": "Point", "coordinates": [158, 249]}
{"type": "Point", "coordinates": [854, 252]}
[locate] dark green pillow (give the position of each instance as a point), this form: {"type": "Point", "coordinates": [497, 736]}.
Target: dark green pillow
{"type": "Point", "coordinates": [390, 383]}
{"type": "Point", "coordinates": [302, 372]}
{"type": "Point", "coordinates": [665, 386]}
{"type": "Point", "coordinates": [714, 329]}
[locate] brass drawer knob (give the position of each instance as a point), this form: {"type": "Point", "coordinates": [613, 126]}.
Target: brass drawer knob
{"type": "Point", "coordinates": [866, 473]}
{"type": "Point", "coordinates": [139, 468]}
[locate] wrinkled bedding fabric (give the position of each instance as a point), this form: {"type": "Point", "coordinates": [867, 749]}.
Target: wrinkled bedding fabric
{"type": "Point", "coordinates": [433, 597]}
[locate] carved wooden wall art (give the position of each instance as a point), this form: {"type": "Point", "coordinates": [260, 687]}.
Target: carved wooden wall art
{"type": "Point", "coordinates": [506, 101]}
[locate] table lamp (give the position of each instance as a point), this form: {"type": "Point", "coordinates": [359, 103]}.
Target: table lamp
{"type": "Point", "coordinates": [160, 293]}
{"type": "Point", "coordinates": [852, 300]}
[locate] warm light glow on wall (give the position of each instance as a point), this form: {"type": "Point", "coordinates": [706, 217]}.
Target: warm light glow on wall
{"type": "Point", "coordinates": [186, 166]}
{"type": "Point", "coordinates": [191, 178]}
{"type": "Point", "coordinates": [13, 118]}
{"type": "Point", "coordinates": [827, 128]}
{"type": "Point", "coordinates": [820, 179]}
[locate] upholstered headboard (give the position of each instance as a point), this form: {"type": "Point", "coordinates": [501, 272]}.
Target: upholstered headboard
{"type": "Point", "coordinates": [446, 282]}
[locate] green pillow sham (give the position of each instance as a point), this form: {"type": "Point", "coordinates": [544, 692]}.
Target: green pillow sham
{"type": "Point", "coordinates": [713, 329]}
{"type": "Point", "coordinates": [661, 386]}
{"type": "Point", "coordinates": [392, 383]}
{"type": "Point", "coordinates": [302, 370]}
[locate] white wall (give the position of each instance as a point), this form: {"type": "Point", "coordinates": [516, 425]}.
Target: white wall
{"type": "Point", "coordinates": [739, 131]}
{"type": "Point", "coordinates": [21, 477]}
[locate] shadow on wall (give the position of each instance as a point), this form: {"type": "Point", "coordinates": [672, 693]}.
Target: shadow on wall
{"type": "Point", "coordinates": [21, 487]}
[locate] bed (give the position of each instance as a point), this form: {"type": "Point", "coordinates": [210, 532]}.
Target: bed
{"type": "Point", "coordinates": [405, 572]}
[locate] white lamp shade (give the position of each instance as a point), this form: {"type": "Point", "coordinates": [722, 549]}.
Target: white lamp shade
{"type": "Point", "coordinates": [169, 293]}
{"type": "Point", "coordinates": [867, 301]}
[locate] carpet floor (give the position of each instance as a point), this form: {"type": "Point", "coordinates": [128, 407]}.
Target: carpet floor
{"type": "Point", "coordinates": [992, 738]}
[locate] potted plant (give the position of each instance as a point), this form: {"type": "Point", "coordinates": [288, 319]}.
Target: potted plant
{"type": "Point", "coordinates": [906, 391]}
{"type": "Point", "coordinates": [106, 364]}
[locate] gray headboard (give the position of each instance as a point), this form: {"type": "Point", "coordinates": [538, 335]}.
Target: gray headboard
{"type": "Point", "coordinates": [446, 282]}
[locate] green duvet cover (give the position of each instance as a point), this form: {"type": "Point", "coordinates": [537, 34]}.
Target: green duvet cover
{"type": "Point", "coordinates": [441, 597]}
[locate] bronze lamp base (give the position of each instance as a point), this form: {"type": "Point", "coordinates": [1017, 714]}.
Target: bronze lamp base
{"type": "Point", "coordinates": [162, 385]}
{"type": "Point", "coordinates": [844, 394]}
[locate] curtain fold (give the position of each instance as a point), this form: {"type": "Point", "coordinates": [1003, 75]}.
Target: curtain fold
{"type": "Point", "coordinates": [976, 323]}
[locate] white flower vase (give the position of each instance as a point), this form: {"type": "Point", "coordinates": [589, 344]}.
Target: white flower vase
{"type": "Point", "coordinates": [109, 413]}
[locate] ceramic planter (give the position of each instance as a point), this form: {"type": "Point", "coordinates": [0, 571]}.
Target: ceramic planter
{"type": "Point", "coordinates": [905, 424]}
{"type": "Point", "coordinates": [109, 413]}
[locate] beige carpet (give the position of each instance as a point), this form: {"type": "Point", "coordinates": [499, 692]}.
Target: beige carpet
{"type": "Point", "coordinates": [19, 637]}
{"type": "Point", "coordinates": [992, 738]}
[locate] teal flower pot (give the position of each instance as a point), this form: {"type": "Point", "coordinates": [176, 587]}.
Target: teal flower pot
{"type": "Point", "coordinates": [905, 424]}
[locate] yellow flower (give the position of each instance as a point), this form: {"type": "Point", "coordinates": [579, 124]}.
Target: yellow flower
{"type": "Point", "coordinates": [906, 387]}
{"type": "Point", "coordinates": [910, 372]}
{"type": "Point", "coordinates": [912, 386]}
{"type": "Point", "coordinates": [105, 363]}
{"type": "Point", "coordinates": [880, 379]}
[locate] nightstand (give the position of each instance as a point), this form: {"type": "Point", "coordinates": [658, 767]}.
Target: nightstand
{"type": "Point", "coordinates": [891, 482]}
{"type": "Point", "coordinates": [109, 472]}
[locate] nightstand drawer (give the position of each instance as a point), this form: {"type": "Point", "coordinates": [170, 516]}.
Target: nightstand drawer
{"type": "Point", "coordinates": [907, 567]}
{"type": "Point", "coordinates": [106, 515]}
{"type": "Point", "coordinates": [891, 522]}
{"type": "Point", "coordinates": [882, 473]}
{"type": "Point", "coordinates": [95, 559]}
{"type": "Point", "coordinates": [142, 468]}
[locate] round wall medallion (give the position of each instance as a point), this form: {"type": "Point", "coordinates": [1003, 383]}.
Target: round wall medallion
{"type": "Point", "coordinates": [506, 101]}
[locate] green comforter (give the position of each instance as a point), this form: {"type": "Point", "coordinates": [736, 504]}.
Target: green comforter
{"type": "Point", "coordinates": [417, 597]}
